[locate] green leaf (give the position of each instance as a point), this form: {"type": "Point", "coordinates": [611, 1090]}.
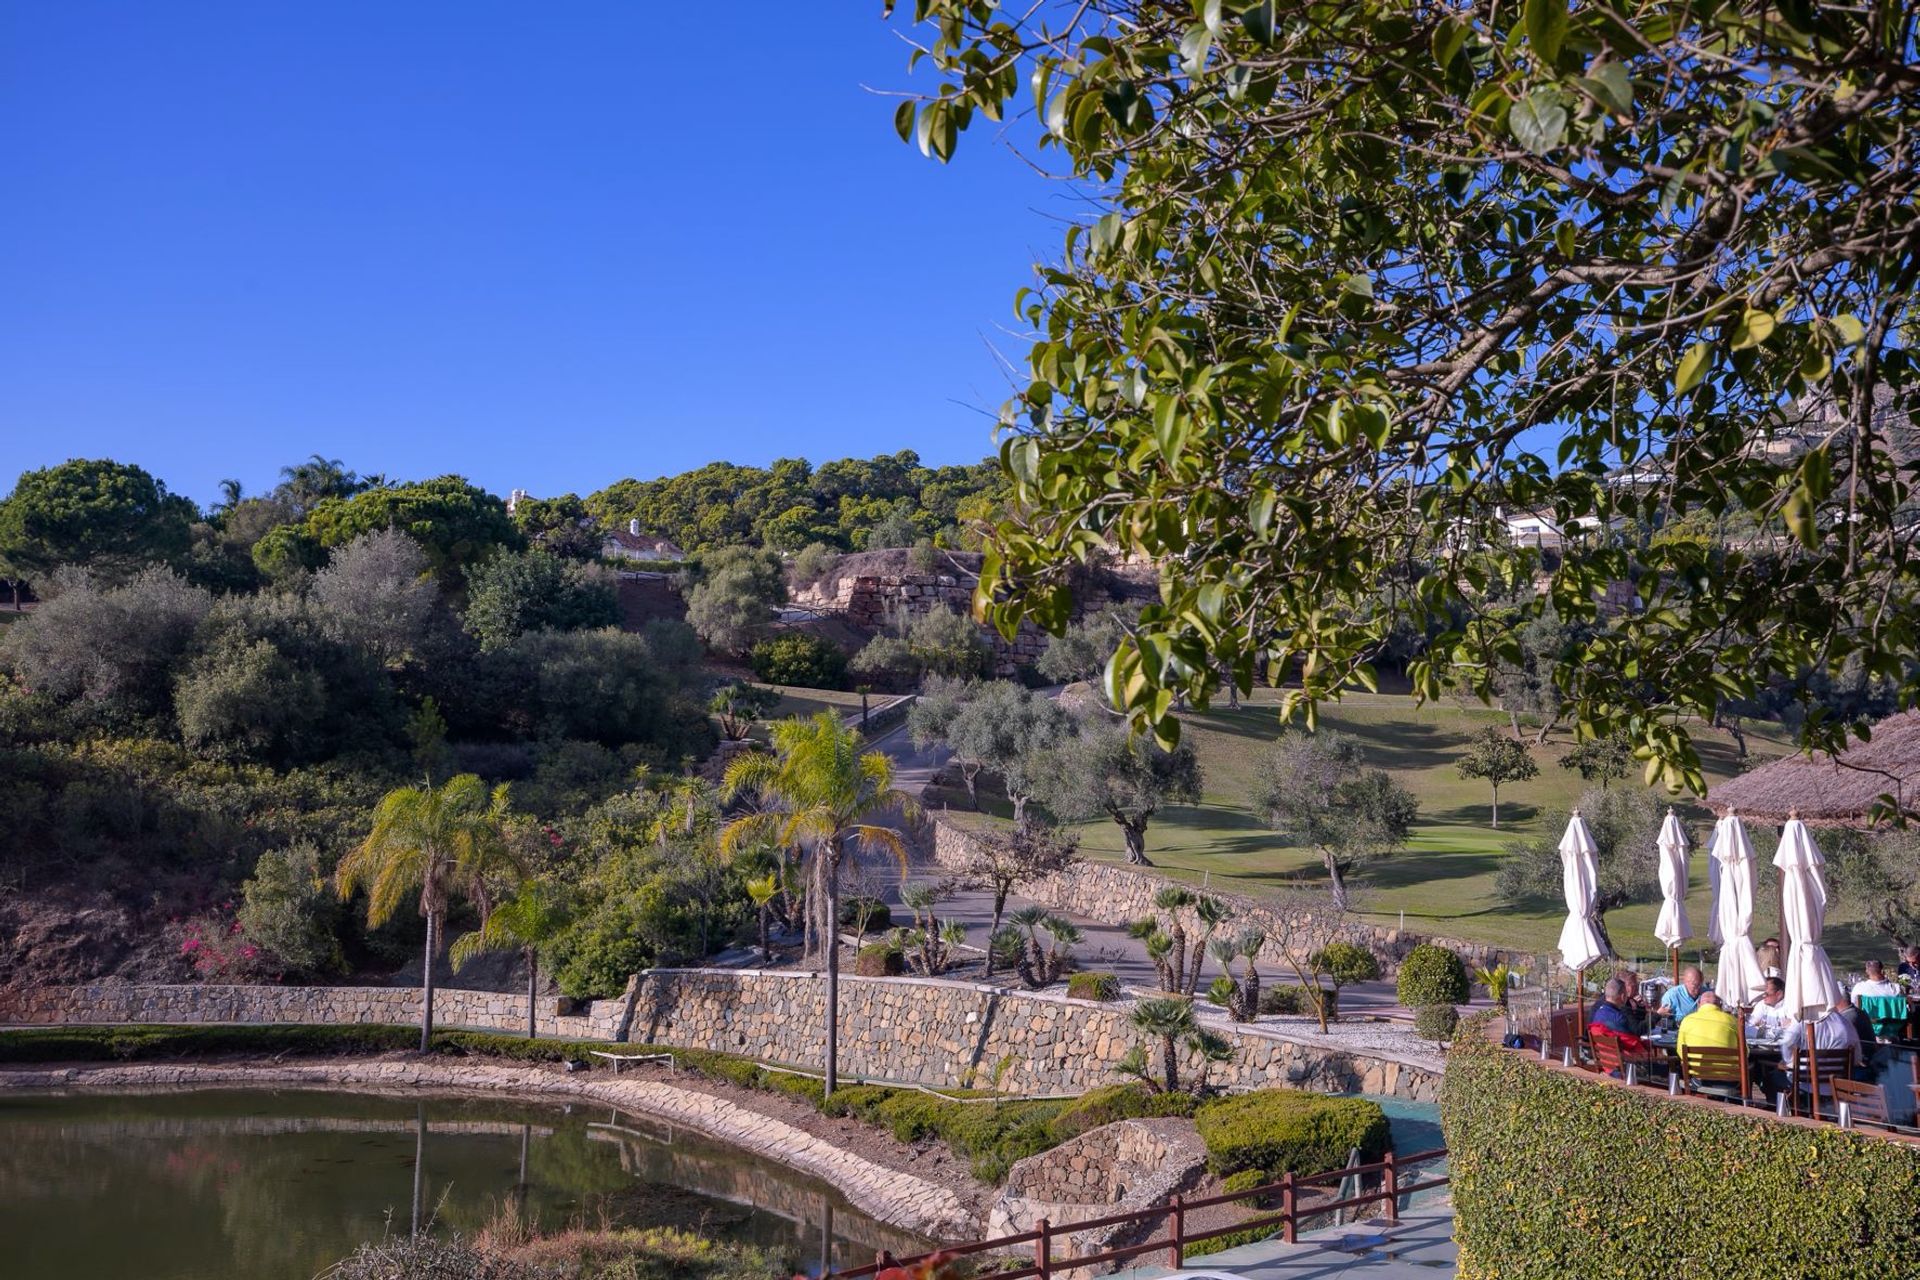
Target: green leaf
{"type": "Point", "coordinates": [1260, 22]}
{"type": "Point", "coordinates": [1566, 237]}
{"type": "Point", "coordinates": [1849, 328]}
{"type": "Point", "coordinates": [1546, 22]}
{"type": "Point", "coordinates": [1798, 514]}
{"type": "Point", "coordinates": [1538, 121]}
{"type": "Point", "coordinates": [1449, 37]}
{"type": "Point", "coordinates": [1611, 85]}
{"type": "Point", "coordinates": [1193, 50]}
{"type": "Point", "coordinates": [1753, 329]}
{"type": "Point", "coordinates": [903, 121]}
{"type": "Point", "coordinates": [1693, 367]}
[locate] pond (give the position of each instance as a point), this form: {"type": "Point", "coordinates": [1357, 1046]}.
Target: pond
{"type": "Point", "coordinates": [280, 1184]}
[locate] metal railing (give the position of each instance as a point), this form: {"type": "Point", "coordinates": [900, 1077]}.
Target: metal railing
{"type": "Point", "coordinates": [1175, 1241]}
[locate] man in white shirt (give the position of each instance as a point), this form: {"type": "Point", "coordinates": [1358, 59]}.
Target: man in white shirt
{"type": "Point", "coordinates": [1832, 1030]}
{"type": "Point", "coordinates": [1875, 983]}
{"type": "Point", "coordinates": [1770, 1018]}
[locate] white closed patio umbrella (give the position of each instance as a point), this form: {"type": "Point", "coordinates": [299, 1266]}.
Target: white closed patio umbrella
{"type": "Point", "coordinates": [1580, 940]}
{"type": "Point", "coordinates": [1739, 979]}
{"type": "Point", "coordinates": [1673, 927]}
{"type": "Point", "coordinates": [1811, 986]}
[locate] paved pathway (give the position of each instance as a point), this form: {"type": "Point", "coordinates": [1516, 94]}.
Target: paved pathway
{"type": "Point", "coordinates": [1420, 1247]}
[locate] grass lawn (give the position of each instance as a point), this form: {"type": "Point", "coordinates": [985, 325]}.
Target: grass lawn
{"type": "Point", "coordinates": [1443, 882]}
{"type": "Point", "coordinates": [795, 701]}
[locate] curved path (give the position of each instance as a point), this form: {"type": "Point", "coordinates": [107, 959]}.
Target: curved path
{"type": "Point", "coordinates": [892, 1196]}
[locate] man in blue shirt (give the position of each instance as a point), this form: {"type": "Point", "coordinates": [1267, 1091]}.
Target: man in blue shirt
{"type": "Point", "coordinates": [1685, 998]}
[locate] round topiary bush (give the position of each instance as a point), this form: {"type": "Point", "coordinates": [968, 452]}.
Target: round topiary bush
{"type": "Point", "coordinates": [1347, 963]}
{"type": "Point", "coordinates": [1432, 975]}
{"type": "Point", "coordinates": [1436, 1022]}
{"type": "Point", "coordinates": [1093, 986]}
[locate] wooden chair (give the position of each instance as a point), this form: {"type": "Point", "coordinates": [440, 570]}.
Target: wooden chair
{"type": "Point", "coordinates": [1832, 1065]}
{"type": "Point", "coordinates": [1608, 1055]}
{"type": "Point", "coordinates": [1868, 1102]}
{"type": "Point", "coordinates": [1718, 1072]}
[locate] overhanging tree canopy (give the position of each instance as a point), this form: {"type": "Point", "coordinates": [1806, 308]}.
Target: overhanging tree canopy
{"type": "Point", "coordinates": [1366, 274]}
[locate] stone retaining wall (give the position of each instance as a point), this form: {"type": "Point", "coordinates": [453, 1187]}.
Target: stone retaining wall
{"type": "Point", "coordinates": [917, 1030]}
{"type": "Point", "coordinates": [957, 1035]}
{"type": "Point", "coordinates": [453, 1007]}
{"type": "Point", "coordinates": [1119, 895]}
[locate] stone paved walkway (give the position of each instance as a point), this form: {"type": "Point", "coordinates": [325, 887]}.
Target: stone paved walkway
{"type": "Point", "coordinates": [892, 1196]}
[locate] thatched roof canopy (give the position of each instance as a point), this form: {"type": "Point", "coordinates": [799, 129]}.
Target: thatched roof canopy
{"type": "Point", "coordinates": [1832, 790]}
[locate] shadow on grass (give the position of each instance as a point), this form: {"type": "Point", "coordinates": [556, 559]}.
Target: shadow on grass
{"type": "Point", "coordinates": [1513, 813]}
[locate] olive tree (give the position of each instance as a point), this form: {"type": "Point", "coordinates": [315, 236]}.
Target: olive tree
{"type": "Point", "coordinates": [1318, 789]}
{"type": "Point", "coordinates": [1104, 769]}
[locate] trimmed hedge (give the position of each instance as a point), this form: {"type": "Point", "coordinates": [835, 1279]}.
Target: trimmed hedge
{"type": "Point", "coordinates": [1556, 1174]}
{"type": "Point", "coordinates": [1436, 1022]}
{"type": "Point", "coordinates": [1277, 1130]}
{"type": "Point", "coordinates": [1432, 975]}
{"type": "Point", "coordinates": [1093, 986]}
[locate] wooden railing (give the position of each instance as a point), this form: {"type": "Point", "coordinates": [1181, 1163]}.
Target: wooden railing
{"type": "Point", "coordinates": [1177, 1238]}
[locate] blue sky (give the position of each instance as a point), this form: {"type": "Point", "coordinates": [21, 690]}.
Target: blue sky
{"type": "Point", "coordinates": [545, 246]}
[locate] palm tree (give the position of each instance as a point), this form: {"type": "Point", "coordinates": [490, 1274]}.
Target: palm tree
{"type": "Point", "coordinates": [434, 841]}
{"type": "Point", "coordinates": [763, 890]}
{"type": "Point", "coordinates": [231, 494]}
{"type": "Point", "coordinates": [308, 483]}
{"type": "Point", "coordinates": [1170, 1020]}
{"type": "Point", "coordinates": [825, 793]}
{"type": "Point", "coordinates": [533, 915]}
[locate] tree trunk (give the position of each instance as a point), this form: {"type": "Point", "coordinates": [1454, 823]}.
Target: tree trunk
{"type": "Point", "coordinates": [833, 969]}
{"type": "Point", "coordinates": [1513, 721]}
{"type": "Point", "coordinates": [766, 950]}
{"type": "Point", "coordinates": [1336, 881]}
{"type": "Point", "coordinates": [1496, 806]}
{"type": "Point", "coordinates": [1019, 812]}
{"type": "Point", "coordinates": [971, 776]}
{"type": "Point", "coordinates": [533, 993]}
{"type": "Point", "coordinates": [1136, 834]}
{"type": "Point", "coordinates": [999, 908]}
{"type": "Point", "coordinates": [426, 982]}
{"type": "Point", "coordinates": [1170, 1062]}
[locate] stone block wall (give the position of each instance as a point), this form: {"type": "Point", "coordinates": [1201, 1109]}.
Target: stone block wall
{"type": "Point", "coordinates": [874, 600]}
{"type": "Point", "coordinates": [1118, 895]}
{"type": "Point", "coordinates": [956, 1035]}
{"type": "Point", "coordinates": [453, 1007]}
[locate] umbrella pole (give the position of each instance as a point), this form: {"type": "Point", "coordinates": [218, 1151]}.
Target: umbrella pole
{"type": "Point", "coordinates": [1673, 954]}
{"type": "Point", "coordinates": [1740, 1037]}
{"type": "Point", "coordinates": [1813, 1077]}
{"type": "Point", "coordinates": [1580, 1015]}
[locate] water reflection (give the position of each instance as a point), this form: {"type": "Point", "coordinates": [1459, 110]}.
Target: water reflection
{"type": "Point", "coordinates": [280, 1184]}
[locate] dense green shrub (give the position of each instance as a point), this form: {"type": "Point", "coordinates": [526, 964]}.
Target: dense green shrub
{"type": "Point", "coordinates": [1526, 1206]}
{"type": "Point", "coordinates": [1291, 998]}
{"type": "Point", "coordinates": [1116, 1102]}
{"type": "Point", "coordinates": [94, 1044]}
{"type": "Point", "coordinates": [802, 660]}
{"type": "Point", "coordinates": [1093, 986]}
{"type": "Point", "coordinates": [1346, 963]}
{"type": "Point", "coordinates": [1436, 1021]}
{"type": "Point", "coordinates": [879, 960]}
{"type": "Point", "coordinates": [291, 912]}
{"type": "Point", "coordinates": [870, 914]}
{"type": "Point", "coordinates": [1432, 975]}
{"type": "Point", "coordinates": [1277, 1130]}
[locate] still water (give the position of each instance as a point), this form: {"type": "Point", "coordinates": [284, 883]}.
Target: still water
{"type": "Point", "coordinates": [278, 1185]}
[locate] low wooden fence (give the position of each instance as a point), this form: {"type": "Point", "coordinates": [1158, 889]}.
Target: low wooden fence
{"type": "Point", "coordinates": [1177, 1238]}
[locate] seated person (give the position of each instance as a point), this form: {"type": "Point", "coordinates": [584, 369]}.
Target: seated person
{"type": "Point", "coordinates": [1634, 1005]}
{"type": "Point", "coordinates": [1875, 983]}
{"type": "Point", "coordinates": [1770, 1016]}
{"type": "Point", "coordinates": [1609, 1018]}
{"type": "Point", "coordinates": [1708, 1026]}
{"type": "Point", "coordinates": [1769, 953]}
{"type": "Point", "coordinates": [1831, 1030]}
{"type": "Point", "coordinates": [1863, 1028]}
{"type": "Point", "coordinates": [1683, 999]}
{"type": "Point", "coordinates": [1910, 964]}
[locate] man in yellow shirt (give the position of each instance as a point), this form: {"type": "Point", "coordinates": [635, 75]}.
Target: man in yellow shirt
{"type": "Point", "coordinates": [1708, 1027]}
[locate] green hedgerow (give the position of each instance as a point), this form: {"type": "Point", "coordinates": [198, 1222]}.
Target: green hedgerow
{"type": "Point", "coordinates": [1291, 998]}
{"type": "Point", "coordinates": [1277, 1130]}
{"type": "Point", "coordinates": [1526, 1207]}
{"type": "Point", "coordinates": [1432, 975]}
